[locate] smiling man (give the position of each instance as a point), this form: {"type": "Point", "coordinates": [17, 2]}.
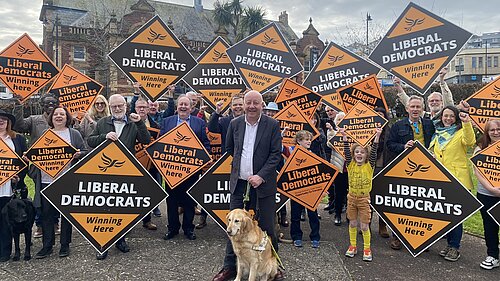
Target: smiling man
{"type": "Point", "coordinates": [405, 132]}
{"type": "Point", "coordinates": [218, 124]}
{"type": "Point", "coordinates": [254, 140]}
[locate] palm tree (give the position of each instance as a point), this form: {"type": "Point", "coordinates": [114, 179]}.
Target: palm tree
{"type": "Point", "coordinates": [253, 20]}
{"type": "Point", "coordinates": [242, 20]}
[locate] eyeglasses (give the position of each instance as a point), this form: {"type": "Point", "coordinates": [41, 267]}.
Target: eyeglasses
{"type": "Point", "coordinates": [4, 119]}
{"type": "Point", "coordinates": [117, 106]}
{"type": "Point", "coordinates": [100, 104]}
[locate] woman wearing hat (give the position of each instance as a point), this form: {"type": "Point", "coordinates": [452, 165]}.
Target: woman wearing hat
{"type": "Point", "coordinates": [17, 143]}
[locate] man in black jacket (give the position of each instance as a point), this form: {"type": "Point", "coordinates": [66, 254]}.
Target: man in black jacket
{"type": "Point", "coordinates": [127, 129]}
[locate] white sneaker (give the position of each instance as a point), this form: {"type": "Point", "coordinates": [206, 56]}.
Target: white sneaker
{"type": "Point", "coordinates": [489, 263]}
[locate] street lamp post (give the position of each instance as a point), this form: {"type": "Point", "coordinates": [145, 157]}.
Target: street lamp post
{"type": "Point", "coordinates": [368, 19]}
{"type": "Point", "coordinates": [485, 41]}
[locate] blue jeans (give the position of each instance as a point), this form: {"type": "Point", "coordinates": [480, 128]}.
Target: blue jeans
{"type": "Point", "coordinates": [455, 236]}
{"type": "Point", "coordinates": [295, 231]}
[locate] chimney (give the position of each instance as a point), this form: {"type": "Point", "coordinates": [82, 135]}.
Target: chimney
{"type": "Point", "coordinates": [198, 6]}
{"type": "Point", "coordinates": [283, 18]}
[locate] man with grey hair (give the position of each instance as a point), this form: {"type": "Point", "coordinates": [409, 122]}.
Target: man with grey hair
{"type": "Point", "coordinates": [435, 101]}
{"type": "Point", "coordinates": [126, 128]}
{"type": "Point", "coordinates": [405, 132]}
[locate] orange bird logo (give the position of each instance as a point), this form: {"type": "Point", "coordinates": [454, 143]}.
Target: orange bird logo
{"type": "Point", "coordinates": [49, 141]}
{"type": "Point", "coordinates": [180, 137]}
{"type": "Point", "coordinates": [155, 36]}
{"type": "Point", "coordinates": [334, 59]}
{"type": "Point", "coordinates": [268, 40]}
{"type": "Point", "coordinates": [290, 92]}
{"type": "Point", "coordinates": [24, 51]}
{"type": "Point", "coordinates": [300, 161]}
{"type": "Point", "coordinates": [109, 163]}
{"type": "Point", "coordinates": [218, 55]}
{"type": "Point", "coordinates": [414, 167]}
{"type": "Point", "coordinates": [411, 23]}
{"type": "Point", "coordinates": [69, 78]}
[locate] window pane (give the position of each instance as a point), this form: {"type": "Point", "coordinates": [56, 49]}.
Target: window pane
{"type": "Point", "coordinates": [79, 53]}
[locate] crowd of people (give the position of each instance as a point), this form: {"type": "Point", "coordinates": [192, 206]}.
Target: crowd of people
{"type": "Point", "coordinates": [254, 139]}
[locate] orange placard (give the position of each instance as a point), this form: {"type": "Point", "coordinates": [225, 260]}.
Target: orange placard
{"type": "Point", "coordinates": [105, 194]}
{"type": "Point", "coordinates": [215, 77]}
{"type": "Point", "coordinates": [10, 163]}
{"type": "Point", "coordinates": [361, 123]}
{"type": "Point", "coordinates": [487, 161]}
{"type": "Point", "coordinates": [25, 68]}
{"type": "Point", "coordinates": [485, 104]}
{"type": "Point", "coordinates": [367, 90]}
{"type": "Point", "coordinates": [264, 58]}
{"type": "Point", "coordinates": [338, 143]}
{"type": "Point", "coordinates": [76, 91]}
{"type": "Point", "coordinates": [291, 121]}
{"type": "Point", "coordinates": [178, 154]}
{"type": "Point", "coordinates": [51, 153]}
{"type": "Point", "coordinates": [140, 149]}
{"type": "Point", "coordinates": [292, 92]}
{"type": "Point", "coordinates": [305, 177]}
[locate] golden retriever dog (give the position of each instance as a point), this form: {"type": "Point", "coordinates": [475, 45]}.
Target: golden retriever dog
{"type": "Point", "coordinates": [251, 246]}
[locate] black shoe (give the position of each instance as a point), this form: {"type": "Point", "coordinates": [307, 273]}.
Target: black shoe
{"type": "Point", "coordinates": [157, 212]}
{"type": "Point", "coordinates": [328, 207]}
{"type": "Point", "coordinates": [43, 253]}
{"type": "Point", "coordinates": [64, 251]}
{"type": "Point", "coordinates": [337, 221]}
{"type": "Point", "coordinates": [102, 256]}
{"type": "Point", "coordinates": [122, 246]}
{"type": "Point", "coordinates": [170, 235]}
{"type": "Point", "coordinates": [4, 259]}
{"type": "Point", "coordinates": [190, 235]}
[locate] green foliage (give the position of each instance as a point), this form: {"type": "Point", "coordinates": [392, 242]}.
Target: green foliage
{"type": "Point", "coordinates": [243, 21]}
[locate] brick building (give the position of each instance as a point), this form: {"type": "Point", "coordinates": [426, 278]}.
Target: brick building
{"type": "Point", "coordinates": [82, 33]}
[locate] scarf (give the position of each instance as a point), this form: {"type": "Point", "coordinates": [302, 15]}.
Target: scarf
{"type": "Point", "coordinates": [443, 135]}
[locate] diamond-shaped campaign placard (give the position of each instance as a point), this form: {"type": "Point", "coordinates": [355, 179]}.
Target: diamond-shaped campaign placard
{"type": "Point", "coordinates": [212, 191]}
{"type": "Point", "coordinates": [361, 123]}
{"type": "Point", "coordinates": [420, 199]}
{"type": "Point", "coordinates": [264, 58]}
{"type": "Point", "coordinates": [154, 57]}
{"type": "Point", "coordinates": [25, 68]}
{"type": "Point", "coordinates": [305, 177]}
{"type": "Point", "coordinates": [494, 212]}
{"type": "Point", "coordinates": [215, 140]}
{"type": "Point", "coordinates": [10, 163]}
{"type": "Point", "coordinates": [178, 154]}
{"type": "Point", "coordinates": [487, 161]}
{"type": "Point", "coordinates": [336, 68]}
{"type": "Point", "coordinates": [338, 143]}
{"type": "Point", "coordinates": [214, 76]}
{"type": "Point", "coordinates": [292, 92]}
{"type": "Point", "coordinates": [51, 153]}
{"type": "Point", "coordinates": [292, 118]}
{"type": "Point", "coordinates": [140, 149]}
{"type": "Point", "coordinates": [418, 45]}
{"type": "Point", "coordinates": [367, 90]}
{"type": "Point", "coordinates": [76, 91]}
{"type": "Point", "coordinates": [105, 194]}
{"type": "Point", "coordinates": [485, 104]}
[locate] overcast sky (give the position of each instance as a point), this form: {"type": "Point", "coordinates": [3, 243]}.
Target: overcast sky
{"type": "Point", "coordinates": [330, 17]}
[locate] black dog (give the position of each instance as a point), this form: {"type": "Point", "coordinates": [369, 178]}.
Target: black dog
{"type": "Point", "coordinates": [19, 214]}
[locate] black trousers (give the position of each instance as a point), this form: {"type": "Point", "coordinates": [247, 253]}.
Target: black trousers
{"type": "Point", "coordinates": [178, 197]}
{"type": "Point", "coordinates": [5, 234]}
{"type": "Point", "coordinates": [266, 213]}
{"type": "Point", "coordinates": [48, 221]}
{"type": "Point", "coordinates": [491, 228]}
{"type": "Point", "coordinates": [341, 186]}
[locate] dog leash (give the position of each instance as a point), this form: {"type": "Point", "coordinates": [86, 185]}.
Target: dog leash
{"type": "Point", "coordinates": [246, 200]}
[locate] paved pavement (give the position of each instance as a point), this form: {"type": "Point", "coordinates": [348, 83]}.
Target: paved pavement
{"type": "Point", "coordinates": [152, 258]}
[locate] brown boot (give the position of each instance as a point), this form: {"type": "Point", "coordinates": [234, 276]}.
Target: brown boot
{"type": "Point", "coordinates": [395, 243]}
{"type": "Point", "coordinates": [150, 226]}
{"type": "Point", "coordinates": [382, 231]}
{"type": "Point", "coordinates": [202, 222]}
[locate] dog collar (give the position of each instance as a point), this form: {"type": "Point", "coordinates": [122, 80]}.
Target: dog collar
{"type": "Point", "coordinates": [262, 246]}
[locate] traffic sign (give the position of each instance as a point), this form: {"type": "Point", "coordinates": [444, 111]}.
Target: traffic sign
{"type": "Point", "coordinates": [154, 57]}
{"type": "Point", "coordinates": [25, 68]}
{"type": "Point", "coordinates": [105, 194]}
{"type": "Point", "coordinates": [418, 45]}
{"type": "Point", "coordinates": [264, 58]}
{"type": "Point", "coordinates": [214, 76]}
{"type": "Point", "coordinates": [420, 199]}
